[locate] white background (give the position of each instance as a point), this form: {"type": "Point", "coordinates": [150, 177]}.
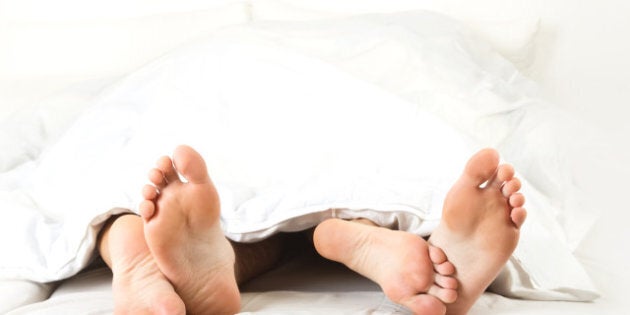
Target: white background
{"type": "Point", "coordinates": [581, 60]}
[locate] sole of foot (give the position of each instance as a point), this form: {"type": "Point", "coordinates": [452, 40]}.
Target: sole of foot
{"type": "Point", "coordinates": [409, 271]}
{"type": "Point", "coordinates": [183, 232]}
{"type": "Point", "coordinates": [480, 225]}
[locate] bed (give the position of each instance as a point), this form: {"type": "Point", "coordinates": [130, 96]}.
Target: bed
{"type": "Point", "coordinates": [529, 74]}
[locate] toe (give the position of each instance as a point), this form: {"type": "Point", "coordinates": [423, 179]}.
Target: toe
{"type": "Point", "coordinates": [424, 304]}
{"type": "Point", "coordinates": [147, 209]}
{"type": "Point", "coordinates": [446, 282]}
{"type": "Point", "coordinates": [445, 295]}
{"type": "Point", "coordinates": [165, 164]}
{"type": "Point", "coordinates": [157, 178]}
{"type": "Point", "coordinates": [437, 255]}
{"type": "Point", "coordinates": [504, 173]}
{"type": "Point", "coordinates": [518, 216]}
{"type": "Point", "coordinates": [446, 268]}
{"type": "Point", "coordinates": [481, 167]}
{"type": "Point", "coordinates": [511, 187]}
{"type": "Point", "coordinates": [149, 192]}
{"type": "Point", "coordinates": [190, 164]}
{"type": "Point", "coordinates": [517, 200]}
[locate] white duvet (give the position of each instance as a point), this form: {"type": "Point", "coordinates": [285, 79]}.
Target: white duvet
{"type": "Point", "coordinates": [297, 123]}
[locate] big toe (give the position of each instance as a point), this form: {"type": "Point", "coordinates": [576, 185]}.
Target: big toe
{"type": "Point", "coordinates": [190, 164]}
{"type": "Point", "coordinates": [481, 167]}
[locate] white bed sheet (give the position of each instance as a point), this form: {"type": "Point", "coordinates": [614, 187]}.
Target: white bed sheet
{"type": "Point", "coordinates": [305, 285]}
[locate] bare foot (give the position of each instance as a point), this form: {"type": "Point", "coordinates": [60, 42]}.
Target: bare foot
{"type": "Point", "coordinates": [480, 226]}
{"type": "Point", "coordinates": [139, 286]}
{"type": "Point", "coordinates": [184, 235]}
{"type": "Point", "coordinates": [409, 271]}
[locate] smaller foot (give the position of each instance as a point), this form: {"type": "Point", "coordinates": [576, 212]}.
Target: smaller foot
{"type": "Point", "coordinates": [409, 271]}
{"type": "Point", "coordinates": [183, 232]}
{"type": "Point", "coordinates": [138, 285]}
{"type": "Point", "coordinates": [480, 225]}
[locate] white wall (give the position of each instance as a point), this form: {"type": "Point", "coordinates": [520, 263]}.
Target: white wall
{"type": "Point", "coordinates": [46, 46]}
{"type": "Point", "coordinates": [586, 64]}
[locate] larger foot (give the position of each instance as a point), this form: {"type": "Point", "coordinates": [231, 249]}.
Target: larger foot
{"type": "Point", "coordinates": [409, 271]}
{"type": "Point", "coordinates": [480, 225]}
{"type": "Point", "coordinates": [183, 232]}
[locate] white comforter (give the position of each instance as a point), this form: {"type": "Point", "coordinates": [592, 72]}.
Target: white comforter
{"type": "Point", "coordinates": [293, 137]}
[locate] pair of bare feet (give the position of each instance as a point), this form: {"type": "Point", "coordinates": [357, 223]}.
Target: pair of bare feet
{"type": "Point", "coordinates": [177, 260]}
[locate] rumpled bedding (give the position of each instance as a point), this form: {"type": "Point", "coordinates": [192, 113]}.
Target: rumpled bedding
{"type": "Point", "coordinates": [296, 126]}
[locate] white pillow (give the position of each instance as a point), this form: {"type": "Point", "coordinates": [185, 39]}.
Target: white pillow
{"type": "Point", "coordinates": [511, 33]}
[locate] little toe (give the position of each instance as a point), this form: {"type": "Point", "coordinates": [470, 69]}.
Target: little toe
{"type": "Point", "coordinates": [445, 295]}
{"type": "Point", "coordinates": [437, 255]}
{"type": "Point", "coordinates": [165, 164]}
{"type": "Point", "coordinates": [518, 216]}
{"type": "Point", "coordinates": [157, 178]}
{"type": "Point", "coordinates": [446, 268]}
{"type": "Point", "coordinates": [446, 282]}
{"type": "Point", "coordinates": [511, 187]}
{"type": "Point", "coordinates": [149, 192]}
{"type": "Point", "coordinates": [146, 209]}
{"type": "Point", "coordinates": [517, 200]}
